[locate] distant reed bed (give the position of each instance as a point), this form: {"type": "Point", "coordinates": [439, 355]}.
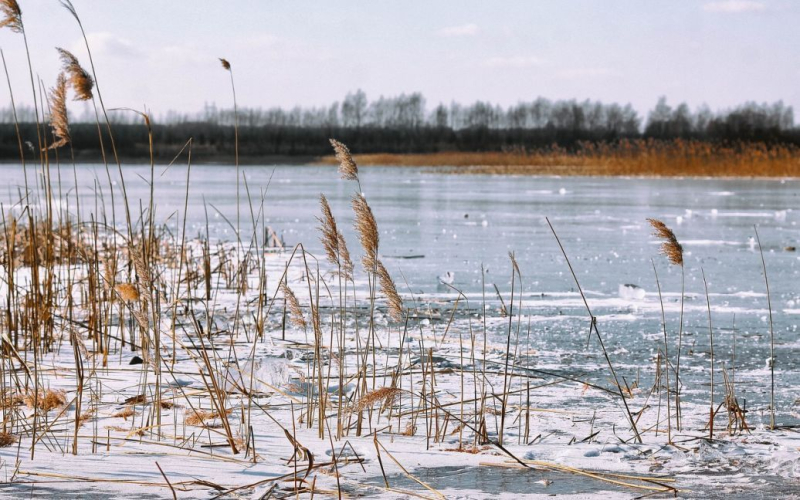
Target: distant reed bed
{"type": "Point", "coordinates": [647, 157]}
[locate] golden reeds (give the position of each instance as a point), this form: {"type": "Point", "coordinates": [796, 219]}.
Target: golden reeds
{"type": "Point", "coordinates": [639, 157]}
{"type": "Point", "coordinates": [295, 312]}
{"type": "Point", "coordinates": [367, 230]}
{"type": "Point", "coordinates": [58, 117]}
{"type": "Point", "coordinates": [347, 166]}
{"type": "Point", "coordinates": [670, 247]}
{"type": "Point", "coordinates": [81, 82]}
{"type": "Point", "coordinates": [12, 15]}
{"type": "Point", "coordinates": [388, 289]}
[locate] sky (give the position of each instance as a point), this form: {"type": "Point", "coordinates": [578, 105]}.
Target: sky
{"type": "Point", "coordinates": [164, 54]}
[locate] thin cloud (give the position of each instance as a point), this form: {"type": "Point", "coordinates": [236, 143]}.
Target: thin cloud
{"type": "Point", "coordinates": [575, 73]}
{"type": "Point", "coordinates": [734, 6]}
{"type": "Point", "coordinates": [514, 62]}
{"type": "Point", "coordinates": [108, 44]}
{"type": "Point", "coordinates": [463, 30]}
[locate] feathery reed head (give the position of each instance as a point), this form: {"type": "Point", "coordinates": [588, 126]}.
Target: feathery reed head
{"type": "Point", "coordinates": [295, 312]}
{"type": "Point", "coordinates": [333, 241]}
{"type": "Point", "coordinates": [81, 82]}
{"type": "Point", "coordinates": [347, 166]}
{"type": "Point", "coordinates": [329, 231]}
{"type": "Point", "coordinates": [344, 257]}
{"type": "Point", "coordinates": [58, 118]}
{"type": "Point", "coordinates": [127, 291]}
{"type": "Point", "coordinates": [68, 5]}
{"type": "Point", "coordinates": [225, 63]}
{"type": "Point", "coordinates": [670, 247]}
{"type": "Point", "coordinates": [12, 15]}
{"type": "Point", "coordinates": [367, 230]}
{"type": "Point", "coordinates": [390, 291]}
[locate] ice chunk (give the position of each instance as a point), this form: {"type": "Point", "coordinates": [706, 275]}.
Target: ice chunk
{"type": "Point", "coordinates": [631, 292]}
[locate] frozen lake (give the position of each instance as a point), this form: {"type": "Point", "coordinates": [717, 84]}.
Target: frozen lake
{"type": "Point", "coordinates": [457, 224]}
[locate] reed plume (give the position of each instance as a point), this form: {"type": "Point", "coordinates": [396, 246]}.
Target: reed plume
{"type": "Point", "coordinates": [347, 166]}
{"type": "Point", "coordinates": [390, 291]}
{"type": "Point", "coordinates": [58, 117]}
{"type": "Point", "coordinates": [344, 257]}
{"type": "Point", "coordinates": [296, 313]}
{"type": "Point", "coordinates": [333, 241]}
{"type": "Point", "coordinates": [127, 292]}
{"type": "Point", "coordinates": [330, 233]}
{"type": "Point", "coordinates": [12, 15]}
{"type": "Point", "coordinates": [81, 82]}
{"type": "Point", "coordinates": [367, 230]}
{"type": "Point", "coordinates": [225, 63]}
{"type": "Point", "coordinates": [670, 247]}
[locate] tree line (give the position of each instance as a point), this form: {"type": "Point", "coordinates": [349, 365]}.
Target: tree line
{"type": "Point", "coordinates": [404, 124]}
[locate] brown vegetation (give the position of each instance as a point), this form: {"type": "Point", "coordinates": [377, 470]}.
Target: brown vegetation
{"type": "Point", "coordinates": [649, 158]}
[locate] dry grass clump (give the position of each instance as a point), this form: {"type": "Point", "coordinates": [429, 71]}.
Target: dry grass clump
{"type": "Point", "coordinates": [199, 417]}
{"type": "Point", "coordinates": [85, 417]}
{"type": "Point", "coordinates": [80, 81]}
{"type": "Point", "coordinates": [7, 439]}
{"type": "Point", "coordinates": [670, 247]}
{"type": "Point", "coordinates": [640, 157]}
{"type": "Point", "coordinates": [47, 400]}
{"type": "Point", "coordinates": [347, 165]}
{"type": "Point", "coordinates": [384, 395]}
{"type": "Point", "coordinates": [124, 413]}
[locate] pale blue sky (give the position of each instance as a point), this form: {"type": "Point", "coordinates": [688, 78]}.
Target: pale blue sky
{"type": "Point", "coordinates": [163, 54]}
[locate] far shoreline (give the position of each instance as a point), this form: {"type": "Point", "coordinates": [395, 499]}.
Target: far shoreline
{"type": "Point", "coordinates": [470, 163]}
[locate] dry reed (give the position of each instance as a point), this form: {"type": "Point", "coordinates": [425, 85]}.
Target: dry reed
{"type": "Point", "coordinates": [332, 240]}
{"type": "Point", "coordinates": [367, 230]}
{"type": "Point", "coordinates": [12, 15]}
{"type": "Point", "coordinates": [80, 81]}
{"type": "Point", "coordinates": [58, 116]}
{"type": "Point", "coordinates": [296, 312]}
{"type": "Point", "coordinates": [389, 290]}
{"type": "Point", "coordinates": [347, 165]}
{"type": "Point", "coordinates": [670, 246]}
